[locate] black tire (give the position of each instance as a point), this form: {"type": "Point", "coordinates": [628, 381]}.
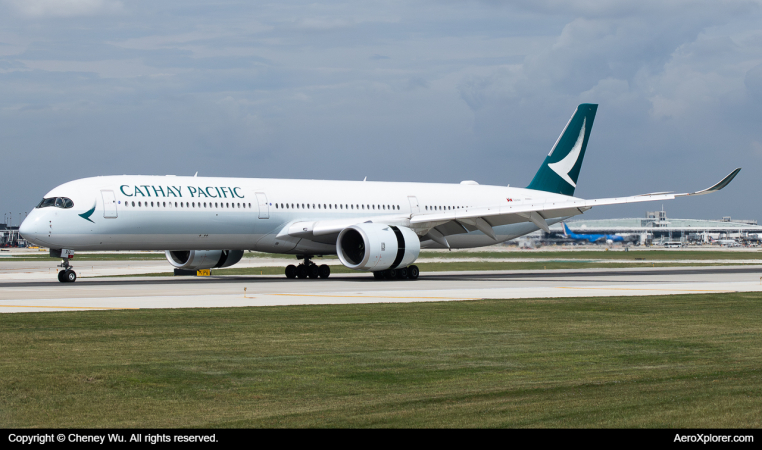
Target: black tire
{"type": "Point", "coordinates": [313, 271]}
{"type": "Point", "coordinates": [325, 271]}
{"type": "Point", "coordinates": [391, 274]}
{"type": "Point", "coordinates": [402, 273]}
{"type": "Point", "coordinates": [291, 271]}
{"type": "Point", "coordinates": [380, 275]}
{"type": "Point", "coordinates": [71, 276]}
{"type": "Point", "coordinates": [62, 276]}
{"type": "Point", "coordinates": [301, 271]}
{"type": "Point", "coordinates": [413, 272]}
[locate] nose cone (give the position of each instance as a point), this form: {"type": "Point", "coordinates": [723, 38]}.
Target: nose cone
{"type": "Point", "coordinates": [33, 229]}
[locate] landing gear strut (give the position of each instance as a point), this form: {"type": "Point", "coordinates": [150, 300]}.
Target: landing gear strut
{"type": "Point", "coordinates": [307, 269]}
{"type": "Point", "coordinates": [67, 275]}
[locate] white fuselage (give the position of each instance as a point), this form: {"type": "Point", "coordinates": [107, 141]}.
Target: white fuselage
{"type": "Point", "coordinates": [198, 213]}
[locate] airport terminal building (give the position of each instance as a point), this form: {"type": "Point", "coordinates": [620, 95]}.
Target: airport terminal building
{"type": "Point", "coordinates": [656, 228]}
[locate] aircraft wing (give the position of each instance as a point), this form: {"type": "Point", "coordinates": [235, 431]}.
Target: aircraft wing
{"type": "Point", "coordinates": [485, 218]}
{"type": "Point", "coordinates": [436, 226]}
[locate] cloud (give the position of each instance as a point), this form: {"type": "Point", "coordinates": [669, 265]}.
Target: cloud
{"type": "Point", "coordinates": [65, 8]}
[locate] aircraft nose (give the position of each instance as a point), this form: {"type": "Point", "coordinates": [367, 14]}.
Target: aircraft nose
{"type": "Point", "coordinates": [32, 228]}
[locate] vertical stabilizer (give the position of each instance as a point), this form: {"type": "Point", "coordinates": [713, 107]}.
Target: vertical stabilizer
{"type": "Point", "coordinates": [560, 170]}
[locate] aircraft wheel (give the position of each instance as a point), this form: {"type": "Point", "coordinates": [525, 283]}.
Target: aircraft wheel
{"type": "Point", "coordinates": [380, 275]}
{"type": "Point", "coordinates": [301, 271]}
{"type": "Point", "coordinates": [62, 276]}
{"type": "Point", "coordinates": [391, 274]}
{"type": "Point", "coordinates": [291, 271]}
{"type": "Point", "coordinates": [314, 271]}
{"type": "Point", "coordinates": [71, 276]}
{"type": "Point", "coordinates": [325, 271]}
{"type": "Point", "coordinates": [402, 273]}
{"type": "Point", "coordinates": [413, 272]}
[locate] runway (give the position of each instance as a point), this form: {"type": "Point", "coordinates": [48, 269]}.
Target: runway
{"type": "Point", "coordinates": [23, 295]}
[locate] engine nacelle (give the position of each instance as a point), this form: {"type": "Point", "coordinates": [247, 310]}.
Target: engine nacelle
{"type": "Point", "coordinates": [374, 247]}
{"type": "Point", "coordinates": [203, 259]}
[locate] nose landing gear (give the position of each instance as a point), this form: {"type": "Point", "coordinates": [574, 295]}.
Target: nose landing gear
{"type": "Point", "coordinates": [67, 275]}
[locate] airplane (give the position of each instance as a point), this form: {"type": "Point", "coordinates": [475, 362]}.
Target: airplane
{"type": "Point", "coordinates": [727, 242]}
{"type": "Point", "coordinates": [378, 227]}
{"type": "Point", "coordinates": [592, 238]}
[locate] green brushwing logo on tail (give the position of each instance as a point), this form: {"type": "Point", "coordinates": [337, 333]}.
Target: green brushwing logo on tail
{"type": "Point", "coordinates": [560, 170]}
{"type": "Point", "coordinates": [86, 215]}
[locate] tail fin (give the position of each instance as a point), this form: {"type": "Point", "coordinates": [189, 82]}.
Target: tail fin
{"type": "Point", "coordinates": [560, 170]}
{"type": "Point", "coordinates": [567, 231]}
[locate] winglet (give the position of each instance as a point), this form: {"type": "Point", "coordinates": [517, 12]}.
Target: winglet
{"type": "Point", "coordinates": [724, 182]}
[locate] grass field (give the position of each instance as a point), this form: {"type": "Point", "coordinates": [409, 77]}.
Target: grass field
{"type": "Point", "coordinates": [665, 255]}
{"type": "Point", "coordinates": [668, 361]}
{"type": "Point", "coordinates": [635, 255]}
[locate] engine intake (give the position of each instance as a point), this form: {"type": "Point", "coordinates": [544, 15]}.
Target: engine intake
{"type": "Point", "coordinates": [203, 259]}
{"type": "Point", "coordinates": [374, 247]}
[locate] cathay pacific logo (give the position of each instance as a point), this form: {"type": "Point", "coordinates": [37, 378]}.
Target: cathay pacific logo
{"type": "Point", "coordinates": [86, 215]}
{"type": "Point", "coordinates": [563, 167]}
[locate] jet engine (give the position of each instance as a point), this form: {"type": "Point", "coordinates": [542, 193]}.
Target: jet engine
{"type": "Point", "coordinates": [203, 259]}
{"type": "Point", "coordinates": [374, 247]}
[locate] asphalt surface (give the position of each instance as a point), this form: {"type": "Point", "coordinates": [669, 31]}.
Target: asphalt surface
{"type": "Point", "coordinates": [39, 290]}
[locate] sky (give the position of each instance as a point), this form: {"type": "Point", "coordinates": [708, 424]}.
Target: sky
{"type": "Point", "coordinates": [429, 91]}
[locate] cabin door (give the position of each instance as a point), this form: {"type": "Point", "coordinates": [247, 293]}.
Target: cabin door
{"type": "Point", "coordinates": [109, 204]}
{"type": "Point", "coordinates": [264, 207]}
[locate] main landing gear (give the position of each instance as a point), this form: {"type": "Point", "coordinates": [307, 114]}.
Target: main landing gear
{"type": "Point", "coordinates": [67, 275]}
{"type": "Point", "coordinates": [308, 269]}
{"type": "Point", "coordinates": [405, 273]}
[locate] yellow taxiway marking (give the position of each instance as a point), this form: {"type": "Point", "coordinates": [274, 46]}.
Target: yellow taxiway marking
{"type": "Point", "coordinates": [61, 307]}
{"type": "Point", "coordinates": [637, 289]}
{"type": "Point", "coordinates": [376, 296]}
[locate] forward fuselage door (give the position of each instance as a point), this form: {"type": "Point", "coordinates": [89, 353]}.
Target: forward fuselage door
{"type": "Point", "coordinates": [264, 207]}
{"type": "Point", "coordinates": [109, 204]}
{"type": "Point", "coordinates": [414, 208]}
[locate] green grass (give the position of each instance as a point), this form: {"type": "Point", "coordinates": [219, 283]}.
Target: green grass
{"type": "Point", "coordinates": [666, 255]}
{"type": "Point", "coordinates": [667, 361]}
{"type": "Point", "coordinates": [659, 255]}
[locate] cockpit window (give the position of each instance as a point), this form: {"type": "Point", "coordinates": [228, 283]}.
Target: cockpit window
{"type": "Point", "coordinates": [58, 202]}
